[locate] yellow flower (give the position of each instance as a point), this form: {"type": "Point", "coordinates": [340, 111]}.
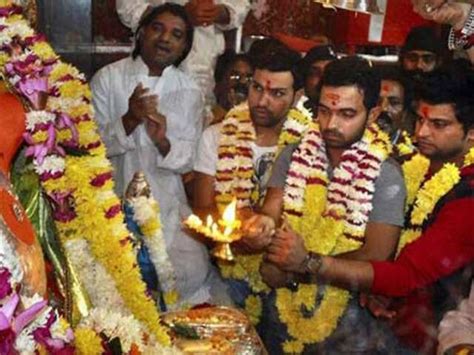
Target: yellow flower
{"type": "Point", "coordinates": [408, 236]}
{"type": "Point", "coordinates": [4, 58]}
{"type": "Point", "coordinates": [6, 3]}
{"type": "Point", "coordinates": [64, 135]}
{"type": "Point", "coordinates": [87, 342]}
{"type": "Point", "coordinates": [469, 159]}
{"type": "Point", "coordinates": [60, 70]}
{"type": "Point", "coordinates": [40, 136]}
{"type": "Point", "coordinates": [170, 297]}
{"type": "Point", "coordinates": [44, 51]}
{"type": "Point", "coordinates": [253, 308]}
{"type": "Point", "coordinates": [150, 227]}
{"type": "Point", "coordinates": [74, 89]}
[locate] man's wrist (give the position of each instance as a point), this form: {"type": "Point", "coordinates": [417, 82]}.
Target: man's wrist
{"type": "Point", "coordinates": [461, 36]}
{"type": "Point", "coordinates": [311, 264]}
{"type": "Point", "coordinates": [223, 18]}
{"type": "Point", "coordinates": [129, 123]}
{"type": "Point", "coordinates": [163, 146]}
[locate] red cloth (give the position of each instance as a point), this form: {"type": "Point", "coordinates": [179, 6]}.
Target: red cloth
{"type": "Point", "coordinates": [446, 246]}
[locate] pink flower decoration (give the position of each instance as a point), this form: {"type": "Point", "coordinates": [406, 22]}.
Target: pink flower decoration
{"type": "Point", "coordinates": [62, 205]}
{"type": "Point", "coordinates": [5, 286]}
{"type": "Point", "coordinates": [34, 89]}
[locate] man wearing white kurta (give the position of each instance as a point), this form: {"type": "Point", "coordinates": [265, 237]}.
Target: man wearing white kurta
{"type": "Point", "coordinates": [148, 113]}
{"type": "Point", "coordinates": [211, 18]}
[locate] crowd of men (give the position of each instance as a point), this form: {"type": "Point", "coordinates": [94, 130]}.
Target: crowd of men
{"type": "Point", "coordinates": [325, 214]}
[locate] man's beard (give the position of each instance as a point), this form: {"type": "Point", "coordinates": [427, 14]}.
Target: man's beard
{"type": "Point", "coordinates": [270, 120]}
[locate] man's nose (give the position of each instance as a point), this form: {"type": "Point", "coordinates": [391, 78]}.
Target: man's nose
{"type": "Point", "coordinates": [264, 99]}
{"type": "Point", "coordinates": [422, 129]}
{"type": "Point", "coordinates": [165, 36]}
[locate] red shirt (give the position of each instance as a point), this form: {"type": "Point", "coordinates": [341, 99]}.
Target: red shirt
{"type": "Point", "coordinates": [447, 245]}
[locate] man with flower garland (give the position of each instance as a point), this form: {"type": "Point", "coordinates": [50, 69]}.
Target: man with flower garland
{"type": "Point", "coordinates": [395, 100]}
{"type": "Point", "coordinates": [235, 156]}
{"type": "Point", "coordinates": [149, 115]}
{"type": "Point", "coordinates": [344, 196]}
{"type": "Point", "coordinates": [436, 245]}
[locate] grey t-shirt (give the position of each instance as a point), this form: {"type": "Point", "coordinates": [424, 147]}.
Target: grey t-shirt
{"type": "Point", "coordinates": [389, 197]}
{"type": "Point", "coordinates": [357, 331]}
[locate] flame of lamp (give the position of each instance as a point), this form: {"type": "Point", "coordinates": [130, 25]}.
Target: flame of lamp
{"type": "Point", "coordinates": [365, 6]}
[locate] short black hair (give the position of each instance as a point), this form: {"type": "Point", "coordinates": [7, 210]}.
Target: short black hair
{"type": "Point", "coordinates": [227, 60]}
{"type": "Point", "coordinates": [176, 10]}
{"type": "Point", "coordinates": [276, 57]}
{"type": "Point", "coordinates": [395, 73]}
{"type": "Point", "coordinates": [450, 84]}
{"type": "Point", "coordinates": [357, 71]}
{"type": "Point", "coordinates": [317, 53]}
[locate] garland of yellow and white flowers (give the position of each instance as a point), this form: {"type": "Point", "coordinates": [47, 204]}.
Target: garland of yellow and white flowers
{"type": "Point", "coordinates": [331, 216]}
{"type": "Point", "coordinates": [33, 312]}
{"type": "Point", "coordinates": [234, 178]}
{"type": "Point", "coordinates": [424, 195]}
{"type": "Point", "coordinates": [81, 185]}
{"type": "Point", "coordinates": [114, 325]}
{"type": "Point", "coordinates": [146, 214]}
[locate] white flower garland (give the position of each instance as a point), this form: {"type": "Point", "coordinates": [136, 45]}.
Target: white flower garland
{"type": "Point", "coordinates": [9, 258]}
{"type": "Point", "coordinates": [146, 214]}
{"type": "Point", "coordinates": [98, 283]}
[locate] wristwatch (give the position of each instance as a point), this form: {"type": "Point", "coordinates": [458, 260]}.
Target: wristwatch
{"type": "Point", "coordinates": [312, 263]}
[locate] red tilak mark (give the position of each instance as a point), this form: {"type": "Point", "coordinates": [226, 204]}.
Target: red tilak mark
{"type": "Point", "coordinates": [268, 85]}
{"type": "Point", "coordinates": [334, 97]}
{"type": "Point", "coordinates": [425, 111]}
{"type": "Point", "coordinates": [385, 87]}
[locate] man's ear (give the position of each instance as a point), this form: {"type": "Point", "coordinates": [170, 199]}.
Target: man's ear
{"type": "Point", "coordinates": [298, 94]}
{"type": "Point", "coordinates": [470, 135]}
{"type": "Point", "coordinates": [374, 114]}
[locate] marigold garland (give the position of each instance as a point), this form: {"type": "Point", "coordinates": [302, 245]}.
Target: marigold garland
{"type": "Point", "coordinates": [335, 209]}
{"type": "Point", "coordinates": [81, 186]}
{"type": "Point", "coordinates": [234, 178]}
{"type": "Point", "coordinates": [88, 342]}
{"type": "Point", "coordinates": [424, 195]}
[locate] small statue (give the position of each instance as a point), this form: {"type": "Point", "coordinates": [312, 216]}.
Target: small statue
{"type": "Point", "coordinates": [138, 187]}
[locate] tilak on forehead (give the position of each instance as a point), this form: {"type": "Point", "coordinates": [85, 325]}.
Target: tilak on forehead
{"type": "Point", "coordinates": [425, 111]}
{"type": "Point", "coordinates": [386, 87]}
{"type": "Point", "coordinates": [335, 98]}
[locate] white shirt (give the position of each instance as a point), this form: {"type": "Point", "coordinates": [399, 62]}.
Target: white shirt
{"type": "Point", "coordinates": [180, 102]}
{"type": "Point", "coordinates": [207, 156]}
{"type": "Point", "coordinates": [457, 327]}
{"type": "Point", "coordinates": [208, 41]}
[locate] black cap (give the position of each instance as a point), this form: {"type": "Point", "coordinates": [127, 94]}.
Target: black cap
{"type": "Point", "coordinates": [423, 39]}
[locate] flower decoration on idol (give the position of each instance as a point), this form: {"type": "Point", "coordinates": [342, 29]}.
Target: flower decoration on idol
{"type": "Point", "coordinates": [69, 156]}
{"type": "Point", "coordinates": [28, 325]}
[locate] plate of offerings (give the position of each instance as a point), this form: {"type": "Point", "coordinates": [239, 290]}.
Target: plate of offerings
{"type": "Point", "coordinates": [213, 330]}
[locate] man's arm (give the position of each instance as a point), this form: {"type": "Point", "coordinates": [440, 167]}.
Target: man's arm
{"type": "Point", "coordinates": [131, 11]}
{"type": "Point", "coordinates": [446, 246]}
{"type": "Point", "coordinates": [112, 129]}
{"type": "Point", "coordinates": [237, 10]}
{"type": "Point", "coordinates": [381, 241]}
{"type": "Point", "coordinates": [204, 195]}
